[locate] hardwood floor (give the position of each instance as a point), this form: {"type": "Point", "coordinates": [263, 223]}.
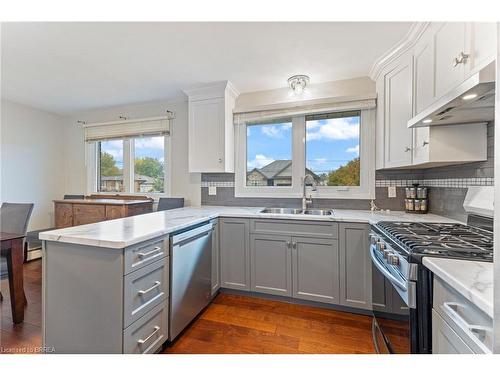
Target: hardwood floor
{"type": "Point", "coordinates": [25, 337]}
{"type": "Point", "coordinates": [231, 324]}
{"type": "Point", "coordinates": [240, 324]}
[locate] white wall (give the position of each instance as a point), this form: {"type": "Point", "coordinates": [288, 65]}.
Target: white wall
{"type": "Point", "coordinates": [32, 162]}
{"type": "Point", "coordinates": [184, 184]}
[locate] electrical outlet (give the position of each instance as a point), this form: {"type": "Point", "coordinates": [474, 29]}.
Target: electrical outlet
{"type": "Point", "coordinates": [212, 190]}
{"type": "Point", "coordinates": [391, 191]}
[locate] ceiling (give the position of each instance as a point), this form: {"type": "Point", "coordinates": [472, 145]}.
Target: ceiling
{"type": "Point", "coordinates": [67, 67]}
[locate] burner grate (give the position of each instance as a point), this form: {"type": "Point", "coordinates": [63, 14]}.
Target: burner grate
{"type": "Point", "coordinates": [443, 239]}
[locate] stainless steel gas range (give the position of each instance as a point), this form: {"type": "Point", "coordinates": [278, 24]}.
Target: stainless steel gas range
{"type": "Point", "coordinates": [396, 250]}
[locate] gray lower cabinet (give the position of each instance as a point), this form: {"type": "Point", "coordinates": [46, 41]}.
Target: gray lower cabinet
{"type": "Point", "coordinates": [315, 269]}
{"type": "Point", "coordinates": [355, 266]}
{"type": "Point", "coordinates": [234, 250]}
{"type": "Point", "coordinates": [215, 258]}
{"type": "Point", "coordinates": [101, 300]}
{"type": "Point", "coordinates": [271, 264]}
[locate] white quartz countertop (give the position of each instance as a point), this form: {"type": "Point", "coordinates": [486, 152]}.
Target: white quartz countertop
{"type": "Point", "coordinates": [474, 280]}
{"type": "Point", "coordinates": [120, 233]}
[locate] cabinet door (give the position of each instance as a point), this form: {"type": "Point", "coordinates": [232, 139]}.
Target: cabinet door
{"type": "Point", "coordinates": [206, 136]}
{"type": "Point", "coordinates": [271, 264]}
{"type": "Point", "coordinates": [423, 68]}
{"type": "Point", "coordinates": [215, 259]}
{"type": "Point", "coordinates": [355, 266]}
{"type": "Point", "coordinates": [444, 339]}
{"type": "Point", "coordinates": [234, 253]}
{"type": "Point", "coordinates": [450, 42]}
{"type": "Point", "coordinates": [398, 110]}
{"type": "Point", "coordinates": [482, 39]}
{"type": "Point", "coordinates": [315, 269]}
{"type": "Point", "coordinates": [381, 295]}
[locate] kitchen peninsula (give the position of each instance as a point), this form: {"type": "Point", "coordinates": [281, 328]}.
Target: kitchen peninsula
{"type": "Point", "coordinates": [120, 269]}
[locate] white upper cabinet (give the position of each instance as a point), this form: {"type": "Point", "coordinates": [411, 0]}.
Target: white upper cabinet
{"type": "Point", "coordinates": [481, 37]}
{"type": "Point", "coordinates": [451, 56]}
{"type": "Point", "coordinates": [397, 111]}
{"type": "Point", "coordinates": [211, 130]}
{"type": "Point", "coordinates": [440, 58]}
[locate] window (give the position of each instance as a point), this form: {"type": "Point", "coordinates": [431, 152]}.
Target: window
{"type": "Point", "coordinates": [269, 154]}
{"type": "Point", "coordinates": [336, 148]}
{"type": "Point", "coordinates": [111, 166]}
{"type": "Point", "coordinates": [332, 148]}
{"type": "Point", "coordinates": [131, 165]}
{"type": "Point", "coordinates": [149, 164]}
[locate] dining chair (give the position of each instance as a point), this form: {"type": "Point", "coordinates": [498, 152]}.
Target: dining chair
{"type": "Point", "coordinates": [169, 203]}
{"type": "Point", "coordinates": [14, 218]}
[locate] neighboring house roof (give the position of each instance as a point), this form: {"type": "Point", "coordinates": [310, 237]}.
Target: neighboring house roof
{"type": "Point", "coordinates": [273, 169]}
{"type": "Point", "coordinates": [138, 177]}
{"type": "Point", "coordinates": [279, 168]}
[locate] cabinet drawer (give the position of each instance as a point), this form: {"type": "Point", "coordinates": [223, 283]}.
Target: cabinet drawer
{"type": "Point", "coordinates": [145, 253]}
{"type": "Point", "coordinates": [444, 339]}
{"type": "Point", "coordinates": [295, 227]}
{"type": "Point", "coordinates": [473, 326]}
{"type": "Point", "coordinates": [144, 289]}
{"type": "Point", "coordinates": [148, 333]}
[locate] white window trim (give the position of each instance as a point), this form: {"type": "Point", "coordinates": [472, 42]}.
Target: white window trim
{"type": "Point", "coordinates": [128, 172]}
{"type": "Point", "coordinates": [366, 190]}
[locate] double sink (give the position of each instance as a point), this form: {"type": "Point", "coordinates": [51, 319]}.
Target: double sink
{"type": "Point", "coordinates": [297, 211]}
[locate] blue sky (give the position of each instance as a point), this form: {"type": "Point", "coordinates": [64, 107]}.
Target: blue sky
{"type": "Point", "coordinates": [330, 143]}
{"type": "Point", "coordinates": [146, 146]}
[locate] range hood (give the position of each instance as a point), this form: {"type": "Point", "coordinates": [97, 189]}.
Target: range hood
{"type": "Point", "coordinates": [472, 102]}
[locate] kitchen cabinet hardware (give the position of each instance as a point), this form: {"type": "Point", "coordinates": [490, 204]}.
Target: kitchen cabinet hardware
{"type": "Point", "coordinates": [155, 285]}
{"type": "Point", "coordinates": [143, 341]}
{"type": "Point", "coordinates": [461, 59]}
{"type": "Point", "coordinates": [155, 250]}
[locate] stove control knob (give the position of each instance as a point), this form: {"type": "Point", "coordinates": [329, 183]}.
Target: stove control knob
{"type": "Point", "coordinates": [393, 259]}
{"type": "Point", "coordinates": [387, 254]}
{"type": "Point", "coordinates": [381, 246]}
{"type": "Point", "coordinates": [374, 240]}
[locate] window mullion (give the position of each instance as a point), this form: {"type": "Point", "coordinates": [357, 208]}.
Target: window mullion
{"type": "Point", "coordinates": [128, 165]}
{"type": "Point", "coordinates": [298, 153]}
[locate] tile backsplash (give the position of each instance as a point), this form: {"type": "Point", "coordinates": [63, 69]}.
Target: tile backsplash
{"type": "Point", "coordinates": [448, 186]}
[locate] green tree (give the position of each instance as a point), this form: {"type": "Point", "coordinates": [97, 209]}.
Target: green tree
{"type": "Point", "coordinates": [151, 167]}
{"type": "Point", "coordinates": [346, 175]}
{"type": "Point", "coordinates": [108, 165]}
{"type": "Point", "coordinates": [148, 166]}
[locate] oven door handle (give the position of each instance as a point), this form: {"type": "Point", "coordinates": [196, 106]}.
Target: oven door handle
{"type": "Point", "coordinates": [386, 272]}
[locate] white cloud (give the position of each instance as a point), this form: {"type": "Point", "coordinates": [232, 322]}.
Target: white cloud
{"type": "Point", "coordinates": [354, 150]}
{"type": "Point", "coordinates": [275, 131]}
{"type": "Point", "coordinates": [259, 161]}
{"type": "Point", "coordinates": [333, 129]}
{"type": "Point", "coordinates": [150, 142]}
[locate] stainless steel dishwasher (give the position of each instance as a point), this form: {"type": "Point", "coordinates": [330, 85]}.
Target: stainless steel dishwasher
{"type": "Point", "coordinates": [191, 272]}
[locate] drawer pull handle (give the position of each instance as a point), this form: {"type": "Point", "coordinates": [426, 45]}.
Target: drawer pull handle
{"type": "Point", "coordinates": [155, 250]}
{"type": "Point", "coordinates": [474, 332]}
{"type": "Point", "coordinates": [155, 285]}
{"type": "Point", "coordinates": [143, 341]}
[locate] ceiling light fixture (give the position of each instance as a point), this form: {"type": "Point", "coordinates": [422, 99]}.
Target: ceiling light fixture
{"type": "Point", "coordinates": [298, 83]}
{"type": "Point", "coordinates": [427, 121]}
{"type": "Point", "coordinates": [469, 96]}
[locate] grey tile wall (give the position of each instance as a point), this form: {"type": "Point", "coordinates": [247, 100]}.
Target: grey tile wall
{"type": "Point", "coordinates": [446, 195]}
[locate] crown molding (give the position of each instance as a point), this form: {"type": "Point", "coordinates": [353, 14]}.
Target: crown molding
{"type": "Point", "coordinates": [211, 90]}
{"type": "Point", "coordinates": [403, 46]}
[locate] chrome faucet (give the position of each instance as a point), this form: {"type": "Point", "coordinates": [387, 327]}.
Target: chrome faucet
{"type": "Point", "coordinates": [306, 201]}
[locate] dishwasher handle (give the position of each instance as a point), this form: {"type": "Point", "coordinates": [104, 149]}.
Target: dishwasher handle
{"type": "Point", "coordinates": [191, 234]}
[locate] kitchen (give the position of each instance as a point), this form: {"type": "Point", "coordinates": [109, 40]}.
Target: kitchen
{"type": "Point", "coordinates": [239, 210]}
